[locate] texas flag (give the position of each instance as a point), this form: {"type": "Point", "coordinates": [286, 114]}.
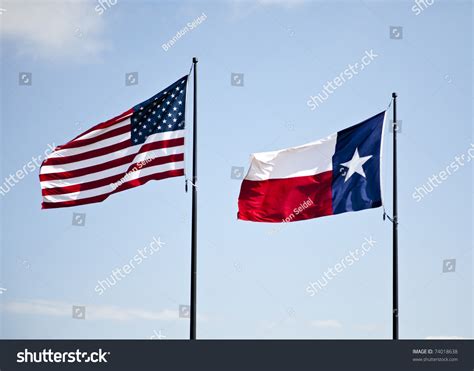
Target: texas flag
{"type": "Point", "coordinates": [334, 175]}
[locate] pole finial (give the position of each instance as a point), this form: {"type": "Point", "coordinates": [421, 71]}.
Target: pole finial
{"type": "Point", "coordinates": [195, 60]}
{"type": "Point", "coordinates": [394, 95]}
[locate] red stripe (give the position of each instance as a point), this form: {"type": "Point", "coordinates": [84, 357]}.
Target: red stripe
{"type": "Point", "coordinates": [288, 199]}
{"type": "Point", "coordinates": [106, 165]}
{"type": "Point", "coordinates": [112, 179]}
{"type": "Point", "coordinates": [109, 149]}
{"type": "Point", "coordinates": [84, 142]}
{"type": "Point", "coordinates": [127, 185]}
{"type": "Point", "coordinates": [106, 124]}
{"type": "Point", "coordinates": [89, 154]}
{"type": "Point", "coordinates": [88, 170]}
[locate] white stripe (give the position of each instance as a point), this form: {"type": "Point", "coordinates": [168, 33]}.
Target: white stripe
{"type": "Point", "coordinates": [108, 188]}
{"type": "Point", "coordinates": [94, 133]}
{"type": "Point", "coordinates": [48, 169]}
{"type": "Point", "coordinates": [112, 171]}
{"type": "Point", "coordinates": [90, 147]}
{"type": "Point", "coordinates": [309, 159]}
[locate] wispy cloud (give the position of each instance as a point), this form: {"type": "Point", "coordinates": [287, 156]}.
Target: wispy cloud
{"type": "Point", "coordinates": [326, 323]}
{"type": "Point", "coordinates": [53, 30]}
{"type": "Point", "coordinates": [244, 8]}
{"type": "Point", "coordinates": [286, 3]}
{"type": "Point", "coordinates": [93, 312]}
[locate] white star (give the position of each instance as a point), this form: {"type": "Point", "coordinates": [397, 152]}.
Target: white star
{"type": "Point", "coordinates": [355, 165]}
{"type": "Point", "coordinates": [174, 108]}
{"type": "Point", "coordinates": [174, 120]}
{"type": "Point", "coordinates": [170, 125]}
{"type": "Point", "coordinates": [180, 102]}
{"type": "Point", "coordinates": [169, 114]}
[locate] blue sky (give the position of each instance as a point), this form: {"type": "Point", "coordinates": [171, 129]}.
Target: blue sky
{"type": "Point", "coordinates": [252, 278]}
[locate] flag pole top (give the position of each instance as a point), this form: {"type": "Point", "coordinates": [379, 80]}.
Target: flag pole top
{"type": "Point", "coordinates": [394, 95]}
{"type": "Point", "coordinates": [195, 60]}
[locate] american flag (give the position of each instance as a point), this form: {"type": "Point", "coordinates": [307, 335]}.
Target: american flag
{"type": "Point", "coordinates": [144, 143]}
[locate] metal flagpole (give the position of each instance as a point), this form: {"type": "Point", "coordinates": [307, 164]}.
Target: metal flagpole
{"type": "Point", "coordinates": [192, 322]}
{"type": "Point", "coordinates": [395, 222]}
